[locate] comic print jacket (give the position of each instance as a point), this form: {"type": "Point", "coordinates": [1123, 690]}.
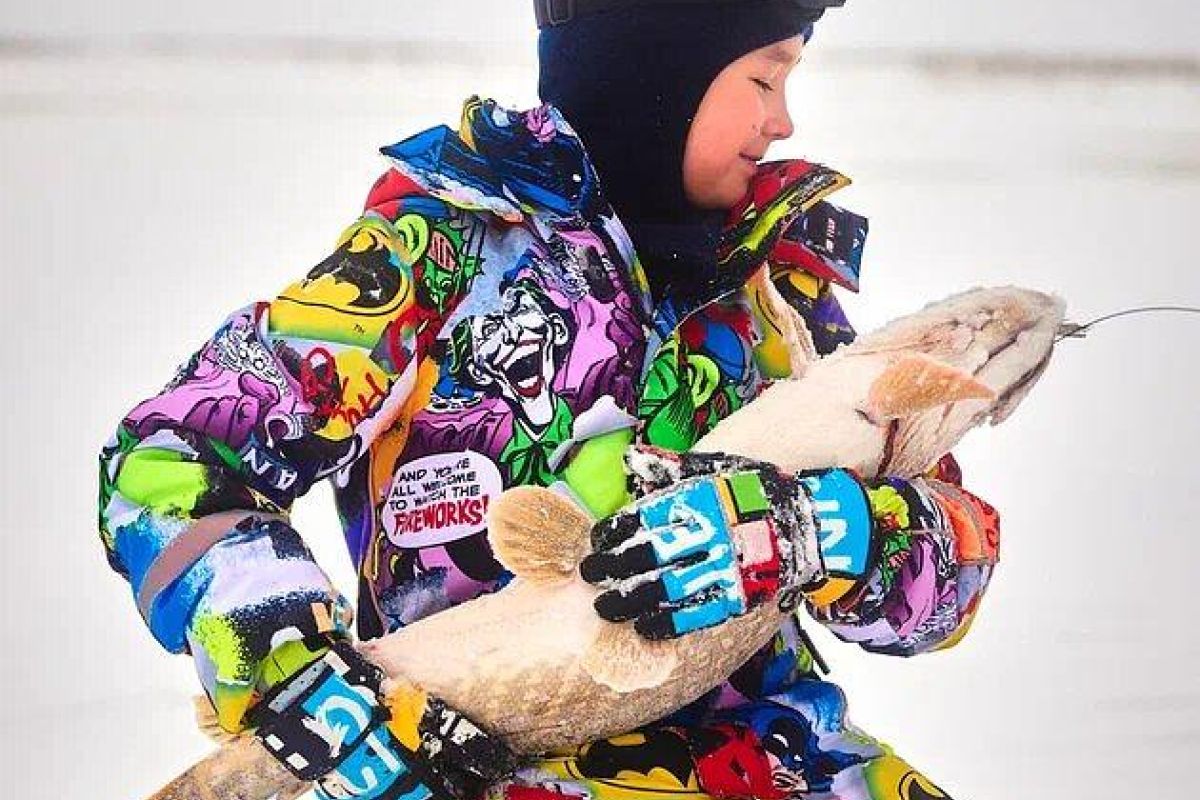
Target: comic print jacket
{"type": "Point", "coordinates": [486, 323]}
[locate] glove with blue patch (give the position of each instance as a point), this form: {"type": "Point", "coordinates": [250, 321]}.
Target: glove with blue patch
{"type": "Point", "coordinates": [327, 724]}
{"type": "Point", "coordinates": [713, 536]}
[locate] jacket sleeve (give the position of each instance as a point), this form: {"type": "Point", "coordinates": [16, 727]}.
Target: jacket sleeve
{"type": "Point", "coordinates": [934, 549]}
{"type": "Point", "coordinates": [197, 481]}
{"type": "Point", "coordinates": [935, 543]}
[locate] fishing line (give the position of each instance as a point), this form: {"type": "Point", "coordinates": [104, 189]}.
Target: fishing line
{"type": "Point", "coordinates": [1076, 331]}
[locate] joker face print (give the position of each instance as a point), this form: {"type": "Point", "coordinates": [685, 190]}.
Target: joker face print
{"type": "Point", "coordinates": [514, 352]}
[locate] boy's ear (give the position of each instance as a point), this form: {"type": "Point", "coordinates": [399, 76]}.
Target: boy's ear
{"type": "Point", "coordinates": [914, 383]}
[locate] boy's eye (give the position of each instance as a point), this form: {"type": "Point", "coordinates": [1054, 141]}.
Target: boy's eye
{"type": "Point", "coordinates": [766, 87]}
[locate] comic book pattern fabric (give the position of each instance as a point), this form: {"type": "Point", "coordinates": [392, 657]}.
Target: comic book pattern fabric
{"type": "Point", "coordinates": [788, 737]}
{"type": "Point", "coordinates": [483, 324]}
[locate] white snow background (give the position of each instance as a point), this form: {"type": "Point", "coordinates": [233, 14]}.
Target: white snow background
{"type": "Point", "coordinates": [162, 164]}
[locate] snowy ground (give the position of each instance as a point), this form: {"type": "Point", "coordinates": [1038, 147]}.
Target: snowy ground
{"type": "Point", "coordinates": [145, 196]}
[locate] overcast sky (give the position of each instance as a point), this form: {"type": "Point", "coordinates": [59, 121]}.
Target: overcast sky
{"type": "Point", "coordinates": [1095, 27]}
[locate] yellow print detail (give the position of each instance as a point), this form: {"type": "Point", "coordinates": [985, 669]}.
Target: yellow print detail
{"type": "Point", "coordinates": [350, 297]}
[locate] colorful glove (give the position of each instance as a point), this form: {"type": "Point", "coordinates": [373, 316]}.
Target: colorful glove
{"type": "Point", "coordinates": [713, 536]}
{"type": "Point", "coordinates": [327, 724]}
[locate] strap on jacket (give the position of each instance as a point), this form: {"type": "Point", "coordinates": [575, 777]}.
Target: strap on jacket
{"type": "Point", "coordinates": [189, 547]}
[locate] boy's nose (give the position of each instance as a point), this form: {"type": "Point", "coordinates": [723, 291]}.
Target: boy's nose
{"type": "Point", "coordinates": [780, 125]}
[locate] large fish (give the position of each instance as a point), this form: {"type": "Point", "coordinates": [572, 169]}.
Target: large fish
{"type": "Point", "coordinates": [534, 664]}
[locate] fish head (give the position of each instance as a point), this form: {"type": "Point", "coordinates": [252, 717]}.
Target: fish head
{"type": "Point", "coordinates": [971, 358]}
{"type": "Point", "coordinates": [862, 401]}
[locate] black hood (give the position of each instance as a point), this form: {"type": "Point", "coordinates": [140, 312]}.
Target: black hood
{"type": "Point", "coordinates": [629, 80]}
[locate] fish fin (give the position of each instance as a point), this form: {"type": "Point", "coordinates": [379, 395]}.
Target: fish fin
{"type": "Point", "coordinates": [914, 383]}
{"type": "Point", "coordinates": [537, 534]}
{"type": "Point", "coordinates": [623, 661]}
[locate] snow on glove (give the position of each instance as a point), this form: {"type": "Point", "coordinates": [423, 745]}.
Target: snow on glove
{"type": "Point", "coordinates": [716, 535]}
{"type": "Point", "coordinates": [327, 724]}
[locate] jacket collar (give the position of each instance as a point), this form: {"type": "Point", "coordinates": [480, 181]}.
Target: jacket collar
{"type": "Point", "coordinates": [785, 220]}
{"type": "Point", "coordinates": [511, 163]}
{"type": "Point", "coordinates": [516, 164]}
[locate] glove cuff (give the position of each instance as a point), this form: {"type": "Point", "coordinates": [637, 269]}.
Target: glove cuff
{"type": "Point", "coordinates": [315, 720]}
{"type": "Point", "coordinates": [327, 724]}
{"type": "Point", "coordinates": [845, 536]}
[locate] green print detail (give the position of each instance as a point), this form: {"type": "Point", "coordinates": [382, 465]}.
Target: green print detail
{"type": "Point", "coordinates": [447, 267]}
{"type": "Point", "coordinates": [896, 547]}
{"type": "Point", "coordinates": [126, 441]}
{"type": "Point", "coordinates": [806, 664]}
{"type": "Point", "coordinates": [222, 644]}
{"type": "Point", "coordinates": [227, 454]}
{"type": "Point", "coordinates": [527, 454]}
{"type": "Point", "coordinates": [288, 659]}
{"type": "Point", "coordinates": [412, 231]}
{"type": "Point", "coordinates": [888, 508]}
{"type": "Point", "coordinates": [721, 405]}
{"type": "Point", "coordinates": [596, 474]}
{"type": "Point", "coordinates": [162, 481]}
{"type": "Point", "coordinates": [748, 493]}
{"type": "Point", "coordinates": [677, 384]}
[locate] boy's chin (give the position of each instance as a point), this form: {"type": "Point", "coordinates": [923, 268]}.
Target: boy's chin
{"type": "Point", "coordinates": [737, 192]}
{"type": "Point", "coordinates": [725, 196]}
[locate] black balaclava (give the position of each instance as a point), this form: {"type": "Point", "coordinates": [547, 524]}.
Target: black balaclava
{"type": "Point", "coordinates": [629, 79]}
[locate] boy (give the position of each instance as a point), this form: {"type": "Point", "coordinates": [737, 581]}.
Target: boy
{"type": "Point", "coordinates": [512, 308]}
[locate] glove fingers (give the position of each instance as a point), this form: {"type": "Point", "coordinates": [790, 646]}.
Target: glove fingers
{"type": "Point", "coordinates": [614, 531]}
{"type": "Point", "coordinates": [604, 566]}
{"type": "Point", "coordinates": [623, 605]}
{"type": "Point", "coordinates": [672, 622]}
{"type": "Point", "coordinates": [680, 586]}
{"type": "Point", "coordinates": [646, 550]}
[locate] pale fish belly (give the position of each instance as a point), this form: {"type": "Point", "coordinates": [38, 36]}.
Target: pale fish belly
{"type": "Point", "coordinates": [535, 664]}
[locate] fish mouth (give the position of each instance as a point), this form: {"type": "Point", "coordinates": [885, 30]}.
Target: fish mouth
{"type": "Point", "coordinates": [1008, 400]}
{"type": "Point", "coordinates": [1010, 397]}
{"type": "Point", "coordinates": [1070, 330]}
{"type": "Point", "coordinates": [1002, 337]}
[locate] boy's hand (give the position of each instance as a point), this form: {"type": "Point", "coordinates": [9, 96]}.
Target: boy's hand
{"type": "Point", "coordinates": [715, 536]}
{"type": "Point", "coordinates": [327, 724]}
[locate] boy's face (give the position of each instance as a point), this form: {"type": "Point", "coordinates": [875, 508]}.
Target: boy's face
{"type": "Point", "coordinates": [742, 112]}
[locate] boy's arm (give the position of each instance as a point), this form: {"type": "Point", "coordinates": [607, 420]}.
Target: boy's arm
{"type": "Point", "coordinates": [933, 551]}
{"type": "Point", "coordinates": [935, 546]}
{"type": "Point", "coordinates": [197, 481]}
